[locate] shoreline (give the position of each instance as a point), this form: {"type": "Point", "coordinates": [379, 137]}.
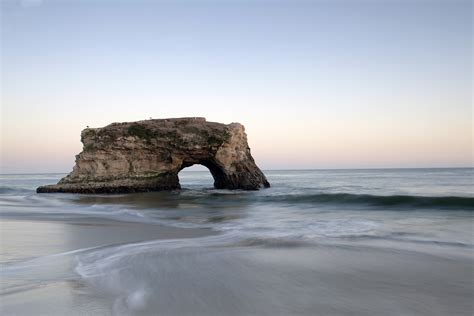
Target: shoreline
{"type": "Point", "coordinates": [48, 237]}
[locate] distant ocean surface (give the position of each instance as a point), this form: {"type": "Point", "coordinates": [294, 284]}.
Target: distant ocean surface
{"type": "Point", "coordinates": [318, 242]}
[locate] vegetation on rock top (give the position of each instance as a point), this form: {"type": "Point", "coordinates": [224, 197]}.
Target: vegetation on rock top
{"type": "Point", "coordinates": [140, 131]}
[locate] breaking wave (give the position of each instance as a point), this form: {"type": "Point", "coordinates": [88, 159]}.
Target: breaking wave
{"type": "Point", "coordinates": [456, 202]}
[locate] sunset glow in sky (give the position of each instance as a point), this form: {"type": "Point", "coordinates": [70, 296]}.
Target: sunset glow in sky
{"type": "Point", "coordinates": [317, 84]}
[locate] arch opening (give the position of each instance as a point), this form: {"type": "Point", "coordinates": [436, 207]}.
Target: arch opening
{"type": "Point", "coordinates": [202, 174]}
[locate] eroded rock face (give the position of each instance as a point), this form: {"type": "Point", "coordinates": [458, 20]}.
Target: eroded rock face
{"type": "Point", "coordinates": [148, 155]}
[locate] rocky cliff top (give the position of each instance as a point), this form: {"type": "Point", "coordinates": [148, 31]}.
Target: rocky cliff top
{"type": "Point", "coordinates": [177, 133]}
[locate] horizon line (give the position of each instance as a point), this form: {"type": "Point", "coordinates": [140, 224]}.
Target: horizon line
{"type": "Point", "coordinates": [302, 169]}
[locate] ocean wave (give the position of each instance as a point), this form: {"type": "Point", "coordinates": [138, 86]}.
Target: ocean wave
{"type": "Point", "coordinates": [456, 202]}
{"type": "Point", "coordinates": [213, 197]}
{"type": "Point", "coordinates": [14, 190]}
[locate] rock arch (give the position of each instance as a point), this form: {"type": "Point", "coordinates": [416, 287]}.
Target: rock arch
{"type": "Point", "coordinates": [148, 155]}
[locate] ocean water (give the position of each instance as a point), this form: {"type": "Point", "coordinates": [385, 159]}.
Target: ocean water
{"type": "Point", "coordinates": [318, 242]}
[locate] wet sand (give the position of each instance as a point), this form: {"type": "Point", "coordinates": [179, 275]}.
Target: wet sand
{"type": "Point", "coordinates": [206, 276]}
{"type": "Point", "coordinates": [22, 239]}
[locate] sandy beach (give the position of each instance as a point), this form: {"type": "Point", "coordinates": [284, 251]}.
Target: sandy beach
{"type": "Point", "coordinates": [24, 240]}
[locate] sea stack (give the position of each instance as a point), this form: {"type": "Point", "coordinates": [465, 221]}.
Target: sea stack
{"type": "Point", "coordinates": [148, 155]}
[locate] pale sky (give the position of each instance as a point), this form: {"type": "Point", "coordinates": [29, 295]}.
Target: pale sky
{"type": "Point", "coordinates": [317, 84]}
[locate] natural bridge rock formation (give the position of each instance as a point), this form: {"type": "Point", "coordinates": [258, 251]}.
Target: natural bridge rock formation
{"type": "Point", "coordinates": [147, 156]}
